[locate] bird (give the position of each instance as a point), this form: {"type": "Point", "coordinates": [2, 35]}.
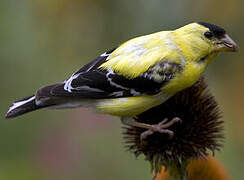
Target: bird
{"type": "Point", "coordinates": [136, 76]}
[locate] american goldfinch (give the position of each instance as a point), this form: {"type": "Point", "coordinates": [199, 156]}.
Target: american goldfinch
{"type": "Point", "coordinates": [137, 75]}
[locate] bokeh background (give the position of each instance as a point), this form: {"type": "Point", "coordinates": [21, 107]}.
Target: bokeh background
{"type": "Point", "coordinates": [45, 41]}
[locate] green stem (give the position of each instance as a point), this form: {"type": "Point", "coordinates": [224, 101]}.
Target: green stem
{"type": "Point", "coordinates": [177, 171]}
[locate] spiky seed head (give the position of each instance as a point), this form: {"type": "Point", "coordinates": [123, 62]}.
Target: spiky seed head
{"type": "Point", "coordinates": [199, 132]}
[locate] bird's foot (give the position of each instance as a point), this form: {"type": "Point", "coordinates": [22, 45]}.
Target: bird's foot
{"type": "Point", "coordinates": [161, 128]}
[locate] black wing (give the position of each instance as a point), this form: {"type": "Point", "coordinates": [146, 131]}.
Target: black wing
{"type": "Point", "coordinates": [95, 63]}
{"type": "Point", "coordinates": [91, 82]}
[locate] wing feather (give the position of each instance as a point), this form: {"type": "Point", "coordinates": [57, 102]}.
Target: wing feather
{"type": "Point", "coordinates": [93, 82]}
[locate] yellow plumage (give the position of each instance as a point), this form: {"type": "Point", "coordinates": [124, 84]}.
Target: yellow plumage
{"type": "Point", "coordinates": [184, 46]}
{"type": "Point", "coordinates": [129, 107]}
{"type": "Point", "coordinates": [135, 56]}
{"type": "Point", "coordinates": [138, 75]}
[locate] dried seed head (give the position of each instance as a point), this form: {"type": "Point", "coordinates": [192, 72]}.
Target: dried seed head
{"type": "Point", "coordinates": [199, 132]}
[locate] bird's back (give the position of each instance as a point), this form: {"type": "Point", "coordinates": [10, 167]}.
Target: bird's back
{"type": "Point", "coordinates": [137, 55]}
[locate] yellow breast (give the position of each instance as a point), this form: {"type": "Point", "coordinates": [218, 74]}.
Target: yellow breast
{"type": "Point", "coordinates": [191, 73]}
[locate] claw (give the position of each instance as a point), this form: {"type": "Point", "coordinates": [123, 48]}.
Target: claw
{"type": "Point", "coordinates": [163, 121]}
{"type": "Point", "coordinates": [166, 131]}
{"type": "Point", "coordinates": [161, 128]}
{"type": "Point", "coordinates": [145, 134]}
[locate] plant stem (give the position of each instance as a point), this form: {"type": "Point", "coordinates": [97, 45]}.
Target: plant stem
{"type": "Point", "coordinates": [177, 170]}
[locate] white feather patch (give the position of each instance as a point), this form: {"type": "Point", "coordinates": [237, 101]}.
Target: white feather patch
{"type": "Point", "coordinates": [87, 88]}
{"type": "Point", "coordinates": [105, 55]}
{"type": "Point", "coordinates": [20, 103]}
{"type": "Point", "coordinates": [67, 85]}
{"type": "Point", "coordinates": [116, 94]}
{"type": "Point", "coordinates": [134, 92]}
{"type": "Point", "coordinates": [110, 71]}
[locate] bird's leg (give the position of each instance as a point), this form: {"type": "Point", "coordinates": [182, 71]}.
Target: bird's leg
{"type": "Point", "coordinates": [160, 127]}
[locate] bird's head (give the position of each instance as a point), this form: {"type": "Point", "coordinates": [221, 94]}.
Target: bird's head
{"type": "Point", "coordinates": [203, 39]}
{"type": "Point", "coordinates": [217, 37]}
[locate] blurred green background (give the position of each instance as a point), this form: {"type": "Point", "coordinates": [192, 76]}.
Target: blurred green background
{"type": "Point", "coordinates": [45, 41]}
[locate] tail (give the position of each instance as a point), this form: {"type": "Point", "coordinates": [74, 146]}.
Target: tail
{"type": "Point", "coordinates": [22, 106]}
{"type": "Point", "coordinates": [51, 96]}
{"type": "Point", "coordinates": [41, 99]}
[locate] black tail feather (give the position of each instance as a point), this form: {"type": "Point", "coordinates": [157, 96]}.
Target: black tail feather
{"type": "Point", "coordinates": [43, 98]}
{"type": "Point", "coordinates": [22, 106]}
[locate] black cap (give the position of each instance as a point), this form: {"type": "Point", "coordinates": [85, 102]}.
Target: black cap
{"type": "Point", "coordinates": [216, 30]}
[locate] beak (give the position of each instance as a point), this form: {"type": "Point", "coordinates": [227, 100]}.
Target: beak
{"type": "Point", "coordinates": [227, 44]}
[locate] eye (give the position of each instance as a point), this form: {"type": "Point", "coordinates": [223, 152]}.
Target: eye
{"type": "Point", "coordinates": [208, 34]}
